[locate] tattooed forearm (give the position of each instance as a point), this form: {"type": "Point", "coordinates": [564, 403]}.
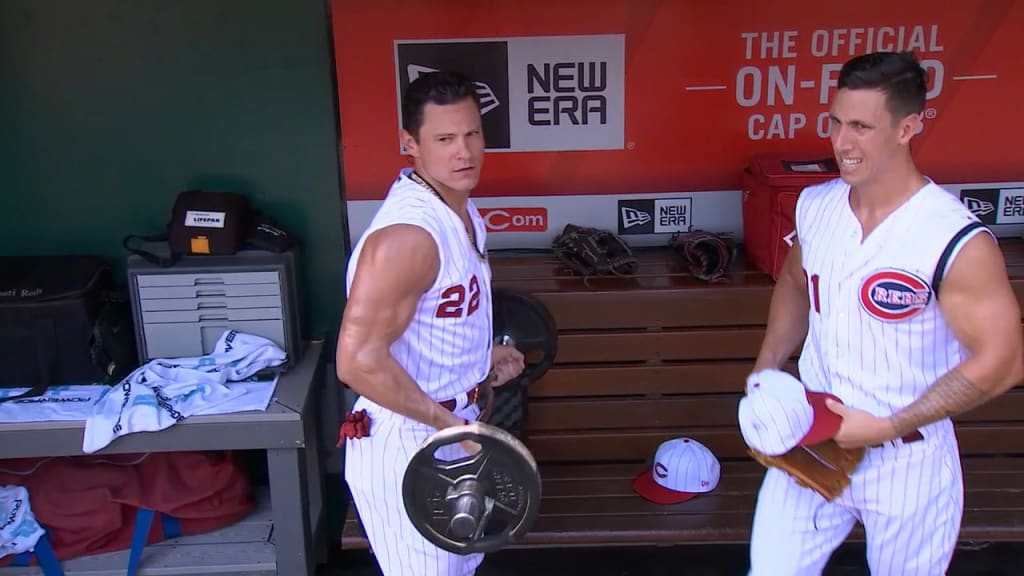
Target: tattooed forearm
{"type": "Point", "coordinates": [951, 394]}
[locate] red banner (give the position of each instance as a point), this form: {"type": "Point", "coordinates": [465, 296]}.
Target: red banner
{"type": "Point", "coordinates": [703, 86]}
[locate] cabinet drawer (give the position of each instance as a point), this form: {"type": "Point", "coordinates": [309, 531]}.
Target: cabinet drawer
{"type": "Point", "coordinates": [206, 290]}
{"type": "Point", "coordinates": [216, 278]}
{"type": "Point", "coordinates": [235, 302]}
{"type": "Point", "coordinates": [211, 314]}
{"type": "Point", "coordinates": [198, 338]}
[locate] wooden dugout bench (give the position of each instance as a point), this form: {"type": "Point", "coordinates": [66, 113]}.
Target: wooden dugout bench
{"type": "Point", "coordinates": [661, 354]}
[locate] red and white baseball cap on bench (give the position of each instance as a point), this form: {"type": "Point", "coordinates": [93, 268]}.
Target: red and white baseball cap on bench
{"type": "Point", "coordinates": [778, 414]}
{"type": "Point", "coordinates": [682, 469]}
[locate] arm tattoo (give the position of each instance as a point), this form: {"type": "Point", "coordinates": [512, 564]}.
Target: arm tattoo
{"type": "Point", "coordinates": [951, 394]}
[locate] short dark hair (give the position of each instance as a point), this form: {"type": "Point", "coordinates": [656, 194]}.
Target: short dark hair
{"type": "Point", "coordinates": [897, 74]}
{"type": "Point", "coordinates": [441, 87]}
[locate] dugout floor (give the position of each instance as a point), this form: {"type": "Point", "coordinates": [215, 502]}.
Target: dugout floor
{"type": "Point", "coordinates": [995, 560]}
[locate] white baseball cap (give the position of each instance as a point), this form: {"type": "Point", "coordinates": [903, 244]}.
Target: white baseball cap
{"type": "Point", "coordinates": [778, 414]}
{"type": "Point", "coordinates": [682, 469]}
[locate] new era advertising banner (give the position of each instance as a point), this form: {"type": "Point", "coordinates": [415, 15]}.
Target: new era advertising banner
{"type": "Point", "coordinates": [640, 116]}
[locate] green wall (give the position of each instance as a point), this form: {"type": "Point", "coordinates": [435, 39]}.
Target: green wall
{"type": "Point", "coordinates": [108, 108]}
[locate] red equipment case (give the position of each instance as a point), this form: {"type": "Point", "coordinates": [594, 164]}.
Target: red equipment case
{"type": "Point", "coordinates": [771, 185]}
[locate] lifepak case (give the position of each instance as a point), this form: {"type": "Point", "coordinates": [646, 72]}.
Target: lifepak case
{"type": "Point", "coordinates": [208, 222]}
{"type": "Point", "coordinates": [202, 222]}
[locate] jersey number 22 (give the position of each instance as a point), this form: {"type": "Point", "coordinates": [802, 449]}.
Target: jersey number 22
{"type": "Point", "coordinates": [454, 300]}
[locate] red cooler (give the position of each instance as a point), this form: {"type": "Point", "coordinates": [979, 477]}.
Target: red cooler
{"type": "Point", "coordinates": [771, 185]}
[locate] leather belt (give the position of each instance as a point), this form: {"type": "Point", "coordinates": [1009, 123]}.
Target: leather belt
{"type": "Point", "coordinates": [449, 405]}
{"type": "Point", "coordinates": [910, 438]}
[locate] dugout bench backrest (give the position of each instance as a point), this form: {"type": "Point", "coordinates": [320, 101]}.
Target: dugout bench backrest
{"type": "Point", "coordinates": [640, 358]}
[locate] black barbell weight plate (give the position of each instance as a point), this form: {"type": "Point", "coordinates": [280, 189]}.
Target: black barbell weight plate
{"type": "Point", "coordinates": [532, 327]}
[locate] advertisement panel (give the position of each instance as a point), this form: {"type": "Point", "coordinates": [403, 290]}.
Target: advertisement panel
{"type": "Point", "coordinates": [635, 110]}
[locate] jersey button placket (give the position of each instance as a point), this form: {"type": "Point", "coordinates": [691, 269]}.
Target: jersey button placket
{"type": "Point", "coordinates": [838, 323]}
{"type": "Point", "coordinates": [842, 298]}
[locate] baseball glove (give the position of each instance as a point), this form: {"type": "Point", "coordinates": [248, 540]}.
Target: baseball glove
{"type": "Point", "coordinates": [707, 255]}
{"type": "Point", "coordinates": [824, 468]}
{"type": "Point", "coordinates": [593, 252]}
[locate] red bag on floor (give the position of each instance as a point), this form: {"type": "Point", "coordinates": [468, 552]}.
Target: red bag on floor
{"type": "Point", "coordinates": [88, 504]}
{"type": "Point", "coordinates": [771, 185]}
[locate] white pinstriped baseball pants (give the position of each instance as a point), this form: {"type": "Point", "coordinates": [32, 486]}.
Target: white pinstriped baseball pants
{"type": "Point", "coordinates": [374, 469]}
{"type": "Point", "coordinates": [909, 497]}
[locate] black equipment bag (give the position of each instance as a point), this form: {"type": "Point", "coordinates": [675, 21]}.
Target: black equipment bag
{"type": "Point", "coordinates": [62, 323]}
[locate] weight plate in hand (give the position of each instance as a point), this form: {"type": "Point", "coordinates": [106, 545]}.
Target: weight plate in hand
{"type": "Point", "coordinates": [479, 503]}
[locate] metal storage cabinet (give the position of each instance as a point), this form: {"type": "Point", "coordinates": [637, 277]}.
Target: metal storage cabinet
{"type": "Point", "coordinates": [182, 310]}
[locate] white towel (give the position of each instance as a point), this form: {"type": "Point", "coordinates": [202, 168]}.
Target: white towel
{"type": "Point", "coordinates": [56, 404]}
{"type": "Point", "coordinates": [19, 530]}
{"type": "Point", "coordinates": [256, 395]}
{"type": "Point", "coordinates": [166, 391]}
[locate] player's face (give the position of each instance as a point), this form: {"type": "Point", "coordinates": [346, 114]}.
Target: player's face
{"type": "Point", "coordinates": [450, 147]}
{"type": "Point", "coordinates": [866, 139]}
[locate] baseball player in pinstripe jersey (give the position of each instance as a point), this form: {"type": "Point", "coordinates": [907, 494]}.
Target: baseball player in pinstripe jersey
{"type": "Point", "coordinates": [909, 319]}
{"type": "Point", "coordinates": [416, 337]}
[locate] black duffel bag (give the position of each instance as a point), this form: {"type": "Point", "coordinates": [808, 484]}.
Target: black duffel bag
{"type": "Point", "coordinates": [62, 322]}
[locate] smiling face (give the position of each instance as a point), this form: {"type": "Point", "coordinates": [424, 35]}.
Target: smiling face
{"type": "Point", "coordinates": [867, 140]}
{"type": "Point", "coordinates": [449, 149]}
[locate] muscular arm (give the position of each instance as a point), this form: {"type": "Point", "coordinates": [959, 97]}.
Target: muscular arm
{"type": "Point", "coordinates": [980, 307]}
{"type": "Point", "coordinates": [397, 264]}
{"type": "Point", "coordinates": [787, 316]}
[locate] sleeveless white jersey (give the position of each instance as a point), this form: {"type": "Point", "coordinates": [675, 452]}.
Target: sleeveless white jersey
{"type": "Point", "coordinates": [877, 338]}
{"type": "Point", "coordinates": [446, 349]}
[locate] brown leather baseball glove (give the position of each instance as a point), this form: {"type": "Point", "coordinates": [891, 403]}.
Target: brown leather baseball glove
{"type": "Point", "coordinates": [825, 468]}
{"type": "Point", "coordinates": [593, 252]}
{"type": "Point", "coordinates": [707, 255]}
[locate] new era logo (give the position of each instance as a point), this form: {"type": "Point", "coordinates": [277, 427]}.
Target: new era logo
{"type": "Point", "coordinates": [979, 207]}
{"type": "Point", "coordinates": [983, 203]}
{"type": "Point", "coordinates": [655, 216]}
{"type": "Point", "coordinates": [633, 217]}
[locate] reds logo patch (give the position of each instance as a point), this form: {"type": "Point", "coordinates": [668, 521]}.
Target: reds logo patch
{"type": "Point", "coordinates": [893, 295]}
{"type": "Point", "coordinates": [660, 470]}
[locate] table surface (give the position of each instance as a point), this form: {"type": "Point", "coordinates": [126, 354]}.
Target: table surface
{"type": "Point", "coordinates": [280, 426]}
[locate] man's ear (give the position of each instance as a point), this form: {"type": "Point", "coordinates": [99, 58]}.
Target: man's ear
{"type": "Point", "coordinates": [409, 143]}
{"type": "Point", "coordinates": [910, 126]}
